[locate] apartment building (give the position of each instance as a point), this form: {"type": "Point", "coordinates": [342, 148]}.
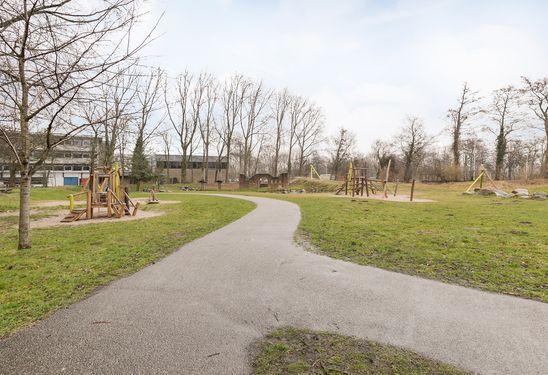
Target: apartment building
{"type": "Point", "coordinates": [67, 165]}
{"type": "Point", "coordinates": [170, 167]}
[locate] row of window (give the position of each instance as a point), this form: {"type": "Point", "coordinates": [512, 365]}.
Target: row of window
{"type": "Point", "coordinates": [77, 142]}
{"type": "Point", "coordinates": [76, 168]}
{"type": "Point", "coordinates": [64, 154]}
{"type": "Point", "coordinates": [160, 164]}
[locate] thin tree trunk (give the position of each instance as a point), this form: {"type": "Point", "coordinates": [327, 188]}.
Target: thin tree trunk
{"type": "Point", "coordinates": [24, 195]}
{"type": "Point", "coordinates": [24, 209]}
{"type": "Point", "coordinates": [184, 165]}
{"type": "Point", "coordinates": [227, 159]}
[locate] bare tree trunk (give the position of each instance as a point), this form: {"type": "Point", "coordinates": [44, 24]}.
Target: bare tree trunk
{"type": "Point", "coordinates": [227, 159]}
{"type": "Point", "coordinates": [24, 210]}
{"type": "Point", "coordinates": [24, 194]}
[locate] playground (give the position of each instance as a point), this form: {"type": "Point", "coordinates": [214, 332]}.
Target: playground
{"type": "Point", "coordinates": [199, 290]}
{"type": "Point", "coordinates": [87, 237]}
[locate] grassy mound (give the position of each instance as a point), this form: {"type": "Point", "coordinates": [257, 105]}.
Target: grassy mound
{"type": "Point", "coordinates": [313, 185]}
{"type": "Point", "coordinates": [299, 351]}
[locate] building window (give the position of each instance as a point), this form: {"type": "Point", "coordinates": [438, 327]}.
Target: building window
{"type": "Point", "coordinates": [76, 167]}
{"type": "Point", "coordinates": [58, 168]}
{"type": "Point", "coordinates": [68, 168]}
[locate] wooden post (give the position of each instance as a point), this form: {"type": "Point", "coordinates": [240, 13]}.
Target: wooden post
{"type": "Point", "coordinates": [412, 190]}
{"type": "Point", "coordinates": [109, 203]}
{"type": "Point", "coordinates": [353, 181]}
{"type": "Point", "coordinates": [89, 209]}
{"type": "Point", "coordinates": [386, 179]}
{"type": "Point", "coordinates": [396, 188]}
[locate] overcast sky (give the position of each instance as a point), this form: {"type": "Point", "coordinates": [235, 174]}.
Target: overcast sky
{"type": "Point", "coordinates": [367, 63]}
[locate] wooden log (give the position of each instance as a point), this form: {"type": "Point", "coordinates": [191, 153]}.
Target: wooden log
{"type": "Point", "coordinates": [412, 190]}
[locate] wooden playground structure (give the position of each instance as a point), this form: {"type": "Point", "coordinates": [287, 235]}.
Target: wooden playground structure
{"type": "Point", "coordinates": [356, 182]}
{"type": "Point", "coordinates": [102, 191]}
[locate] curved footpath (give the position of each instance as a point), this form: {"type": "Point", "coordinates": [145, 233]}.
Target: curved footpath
{"type": "Point", "coordinates": [197, 310]}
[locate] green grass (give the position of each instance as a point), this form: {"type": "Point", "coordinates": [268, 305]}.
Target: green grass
{"type": "Point", "coordinates": [10, 202]}
{"type": "Point", "coordinates": [67, 263]}
{"type": "Point", "coordinates": [299, 351]}
{"type": "Point", "coordinates": [494, 244]}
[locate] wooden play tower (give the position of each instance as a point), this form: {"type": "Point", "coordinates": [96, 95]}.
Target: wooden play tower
{"type": "Point", "coordinates": [102, 192]}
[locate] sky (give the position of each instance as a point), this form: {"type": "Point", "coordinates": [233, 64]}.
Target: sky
{"type": "Point", "coordinates": [369, 64]}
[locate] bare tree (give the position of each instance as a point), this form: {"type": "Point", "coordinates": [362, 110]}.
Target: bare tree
{"type": "Point", "coordinates": [382, 153]}
{"type": "Point", "coordinates": [504, 115]}
{"type": "Point", "coordinates": [180, 115]}
{"type": "Point", "coordinates": [279, 108]}
{"type": "Point", "coordinates": [149, 90]}
{"type": "Point", "coordinates": [52, 53]}
{"type": "Point", "coordinates": [412, 141]}
{"type": "Point", "coordinates": [234, 93]}
{"type": "Point", "coordinates": [460, 116]}
{"type": "Point", "coordinates": [167, 140]}
{"type": "Point", "coordinates": [309, 134]}
{"type": "Point", "coordinates": [118, 101]}
{"type": "Point", "coordinates": [297, 107]}
{"type": "Point", "coordinates": [536, 97]}
{"type": "Point", "coordinates": [207, 124]}
{"type": "Point", "coordinates": [342, 148]}
{"type": "Point", "coordinates": [251, 122]}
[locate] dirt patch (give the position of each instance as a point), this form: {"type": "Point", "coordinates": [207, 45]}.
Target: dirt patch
{"type": "Point", "coordinates": [391, 198]}
{"type": "Point", "coordinates": [55, 220]}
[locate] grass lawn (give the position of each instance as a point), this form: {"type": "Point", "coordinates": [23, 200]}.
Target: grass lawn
{"type": "Point", "coordinates": [10, 202]}
{"type": "Point", "coordinates": [298, 351]}
{"type": "Point", "coordinates": [67, 263]}
{"type": "Point", "coordinates": [495, 244]}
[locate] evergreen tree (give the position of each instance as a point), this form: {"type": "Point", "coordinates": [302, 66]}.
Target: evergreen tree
{"type": "Point", "coordinates": [140, 168]}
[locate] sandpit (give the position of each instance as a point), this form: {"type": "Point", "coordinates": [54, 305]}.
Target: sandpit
{"type": "Point", "coordinates": [55, 220]}
{"type": "Point", "coordinates": [55, 217]}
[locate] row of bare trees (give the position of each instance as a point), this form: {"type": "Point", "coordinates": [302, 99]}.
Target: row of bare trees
{"type": "Point", "coordinates": [246, 125]}
{"type": "Point", "coordinates": [72, 67]}
{"type": "Point", "coordinates": [56, 59]}
{"type": "Point", "coordinates": [507, 132]}
{"type": "Point", "coordinates": [513, 115]}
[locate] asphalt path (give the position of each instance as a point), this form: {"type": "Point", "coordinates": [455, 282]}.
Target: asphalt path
{"type": "Point", "coordinates": [198, 310]}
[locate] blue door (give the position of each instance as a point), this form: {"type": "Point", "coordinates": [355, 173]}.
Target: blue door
{"type": "Point", "coordinates": [70, 181]}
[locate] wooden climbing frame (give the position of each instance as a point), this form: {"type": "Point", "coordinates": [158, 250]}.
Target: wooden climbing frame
{"type": "Point", "coordinates": [102, 191]}
{"type": "Point", "coordinates": [357, 182]}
